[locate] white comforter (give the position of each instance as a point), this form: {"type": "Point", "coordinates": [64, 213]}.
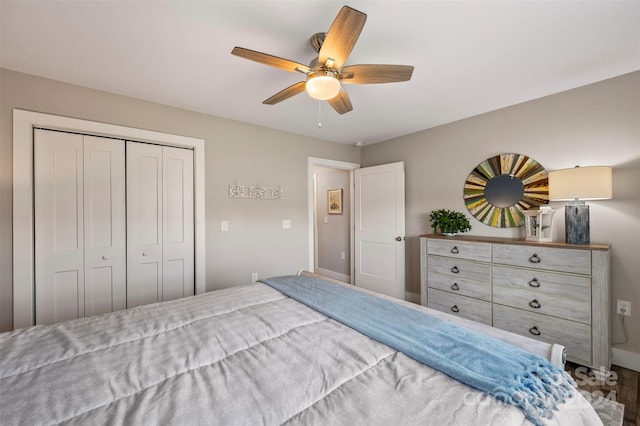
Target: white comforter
{"type": "Point", "coordinates": [241, 356]}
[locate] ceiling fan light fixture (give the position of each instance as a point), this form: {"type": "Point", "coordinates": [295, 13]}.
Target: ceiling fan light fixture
{"type": "Point", "coordinates": [322, 85]}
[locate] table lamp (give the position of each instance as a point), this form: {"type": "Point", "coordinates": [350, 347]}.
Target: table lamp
{"type": "Point", "coordinates": [577, 185]}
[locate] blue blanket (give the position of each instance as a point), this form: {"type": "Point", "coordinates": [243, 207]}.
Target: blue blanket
{"type": "Point", "coordinates": [504, 371]}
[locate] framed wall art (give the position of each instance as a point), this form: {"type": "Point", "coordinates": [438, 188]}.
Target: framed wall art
{"type": "Point", "coordinates": [334, 201]}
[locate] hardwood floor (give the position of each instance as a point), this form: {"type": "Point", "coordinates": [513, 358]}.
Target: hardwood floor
{"type": "Point", "coordinates": [622, 386]}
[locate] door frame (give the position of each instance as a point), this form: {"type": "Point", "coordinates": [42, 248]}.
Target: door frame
{"type": "Point", "coordinates": [333, 164]}
{"type": "Point", "coordinates": [23, 220]}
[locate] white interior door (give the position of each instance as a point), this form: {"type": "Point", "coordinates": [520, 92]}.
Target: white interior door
{"type": "Point", "coordinates": [178, 226]}
{"type": "Point", "coordinates": [105, 271]}
{"type": "Point", "coordinates": [379, 229]}
{"type": "Point", "coordinates": [144, 223]}
{"type": "Point", "coordinates": [59, 228]}
{"type": "Point", "coordinates": [160, 223]}
{"type": "Point", "coordinates": [80, 225]}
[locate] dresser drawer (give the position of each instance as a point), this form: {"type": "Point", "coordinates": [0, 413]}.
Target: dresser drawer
{"type": "Point", "coordinates": [460, 249]}
{"type": "Point", "coordinates": [471, 279]}
{"type": "Point", "coordinates": [561, 295]}
{"type": "Point", "coordinates": [456, 268]}
{"type": "Point", "coordinates": [576, 337]}
{"type": "Point", "coordinates": [554, 259]}
{"type": "Point", "coordinates": [465, 307]}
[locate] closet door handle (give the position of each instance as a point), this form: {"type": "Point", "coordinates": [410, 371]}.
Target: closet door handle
{"type": "Point", "coordinates": [454, 308]}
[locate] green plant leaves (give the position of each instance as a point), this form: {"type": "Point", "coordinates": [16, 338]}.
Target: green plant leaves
{"type": "Point", "coordinates": [448, 221]}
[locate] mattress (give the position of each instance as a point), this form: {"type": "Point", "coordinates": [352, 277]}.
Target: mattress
{"type": "Point", "coordinates": [245, 355]}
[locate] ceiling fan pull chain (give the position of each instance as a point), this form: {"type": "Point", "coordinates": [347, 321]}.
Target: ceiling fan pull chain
{"type": "Point", "coordinates": [319, 115]}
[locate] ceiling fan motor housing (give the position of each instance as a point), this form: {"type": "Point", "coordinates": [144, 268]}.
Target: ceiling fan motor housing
{"type": "Point", "coordinates": [316, 41]}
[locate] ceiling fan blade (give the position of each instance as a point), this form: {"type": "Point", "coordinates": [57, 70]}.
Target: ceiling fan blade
{"type": "Point", "coordinates": [290, 91]}
{"type": "Point", "coordinates": [341, 102]}
{"type": "Point", "coordinates": [272, 61]}
{"type": "Point", "coordinates": [342, 37]}
{"type": "Point", "coordinates": [371, 74]}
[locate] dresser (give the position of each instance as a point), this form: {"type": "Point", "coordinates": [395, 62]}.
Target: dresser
{"type": "Point", "coordinates": [554, 292]}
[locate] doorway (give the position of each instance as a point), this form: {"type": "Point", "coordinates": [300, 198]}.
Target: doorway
{"type": "Point", "coordinates": [331, 248]}
{"type": "Point", "coordinates": [376, 225]}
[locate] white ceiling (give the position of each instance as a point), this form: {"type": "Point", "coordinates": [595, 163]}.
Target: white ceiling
{"type": "Point", "coordinates": [470, 57]}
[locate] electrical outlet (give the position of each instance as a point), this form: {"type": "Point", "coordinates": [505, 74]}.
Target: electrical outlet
{"type": "Point", "coordinates": [624, 307]}
{"type": "Point", "coordinates": [254, 277]}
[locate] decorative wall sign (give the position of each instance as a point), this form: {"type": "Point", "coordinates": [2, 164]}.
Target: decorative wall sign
{"type": "Point", "coordinates": [501, 188]}
{"type": "Point", "coordinates": [258, 192]}
{"type": "Point", "coordinates": [334, 201]}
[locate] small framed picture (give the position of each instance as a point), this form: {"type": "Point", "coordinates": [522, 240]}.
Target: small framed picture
{"type": "Point", "coordinates": [334, 201]}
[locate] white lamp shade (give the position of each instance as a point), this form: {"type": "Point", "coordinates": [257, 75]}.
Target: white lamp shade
{"type": "Point", "coordinates": [322, 85]}
{"type": "Point", "coordinates": [581, 183]}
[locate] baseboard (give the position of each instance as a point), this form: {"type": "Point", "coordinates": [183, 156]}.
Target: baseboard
{"type": "Point", "coordinates": [334, 275]}
{"type": "Point", "coordinates": [626, 359]}
{"type": "Point", "coordinates": [412, 297]}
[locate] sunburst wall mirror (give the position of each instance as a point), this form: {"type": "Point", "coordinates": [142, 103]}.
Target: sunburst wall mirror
{"type": "Point", "coordinates": [501, 188]}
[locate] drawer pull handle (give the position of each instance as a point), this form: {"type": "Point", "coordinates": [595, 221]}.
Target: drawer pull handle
{"type": "Point", "coordinates": [455, 287]}
{"type": "Point", "coordinates": [534, 330]}
{"type": "Point", "coordinates": [455, 250]}
{"type": "Point", "coordinates": [455, 270]}
{"type": "Point", "coordinates": [535, 259]}
{"type": "Point", "coordinates": [454, 308]}
{"type": "Point", "coordinates": [534, 283]}
{"type": "Point", "coordinates": [535, 304]}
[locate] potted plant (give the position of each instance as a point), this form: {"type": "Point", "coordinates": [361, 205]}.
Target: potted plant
{"type": "Point", "coordinates": [448, 222]}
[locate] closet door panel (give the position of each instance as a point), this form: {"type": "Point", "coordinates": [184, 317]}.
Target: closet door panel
{"type": "Point", "coordinates": [178, 226]}
{"type": "Point", "coordinates": [104, 225]}
{"type": "Point", "coordinates": [59, 228]}
{"type": "Point", "coordinates": [144, 223]}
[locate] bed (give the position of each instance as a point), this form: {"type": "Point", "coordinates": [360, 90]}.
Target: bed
{"type": "Point", "coordinates": [245, 355]}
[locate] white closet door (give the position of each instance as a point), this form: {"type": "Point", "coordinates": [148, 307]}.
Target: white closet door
{"type": "Point", "coordinates": [160, 224]}
{"type": "Point", "coordinates": [178, 226]}
{"type": "Point", "coordinates": [58, 200]}
{"type": "Point", "coordinates": [144, 223]}
{"type": "Point", "coordinates": [104, 225]}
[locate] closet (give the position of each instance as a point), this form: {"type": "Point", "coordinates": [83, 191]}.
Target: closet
{"type": "Point", "coordinates": [113, 224]}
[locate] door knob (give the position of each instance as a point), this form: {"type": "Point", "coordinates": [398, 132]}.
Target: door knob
{"type": "Point", "coordinates": [105, 257]}
{"type": "Point", "coordinates": [398, 238]}
{"type": "Point", "coordinates": [144, 253]}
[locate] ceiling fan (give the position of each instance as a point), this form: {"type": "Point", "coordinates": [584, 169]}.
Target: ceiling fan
{"type": "Point", "coordinates": [326, 73]}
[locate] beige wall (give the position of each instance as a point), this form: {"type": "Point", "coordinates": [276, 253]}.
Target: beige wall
{"type": "Point", "coordinates": [597, 124]}
{"type": "Point", "coordinates": [235, 153]}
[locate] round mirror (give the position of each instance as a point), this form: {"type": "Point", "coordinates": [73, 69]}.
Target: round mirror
{"type": "Point", "coordinates": [501, 188]}
{"type": "Point", "coordinates": [504, 191]}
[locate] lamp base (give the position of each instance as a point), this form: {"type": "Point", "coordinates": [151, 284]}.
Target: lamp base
{"type": "Point", "coordinates": [576, 223]}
